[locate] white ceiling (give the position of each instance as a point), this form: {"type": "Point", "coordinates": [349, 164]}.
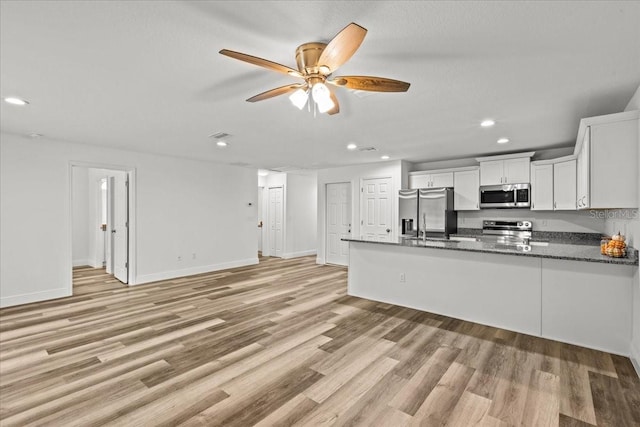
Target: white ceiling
{"type": "Point", "coordinates": [146, 76]}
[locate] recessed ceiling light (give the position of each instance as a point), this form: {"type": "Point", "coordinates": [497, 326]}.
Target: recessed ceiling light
{"type": "Point", "coordinates": [221, 144]}
{"type": "Point", "coordinates": [15, 101]}
{"type": "Point", "coordinates": [263, 173]}
{"type": "Point", "coordinates": [385, 157]}
{"type": "Point", "coordinates": [35, 135]}
{"type": "Point", "coordinates": [503, 140]}
{"type": "Point", "coordinates": [487, 123]}
{"type": "Point", "coordinates": [352, 146]}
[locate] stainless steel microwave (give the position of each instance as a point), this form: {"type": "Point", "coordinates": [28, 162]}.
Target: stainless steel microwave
{"type": "Point", "coordinates": [505, 196]}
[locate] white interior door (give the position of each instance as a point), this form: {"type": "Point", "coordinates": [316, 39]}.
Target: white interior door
{"type": "Point", "coordinates": [108, 247]}
{"type": "Point", "coordinates": [276, 213]}
{"type": "Point", "coordinates": [260, 225]}
{"type": "Point", "coordinates": [120, 230]}
{"type": "Point", "coordinates": [376, 215]}
{"type": "Point", "coordinates": [338, 225]}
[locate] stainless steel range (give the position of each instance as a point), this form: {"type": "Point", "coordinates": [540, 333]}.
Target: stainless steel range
{"type": "Point", "coordinates": [508, 233]}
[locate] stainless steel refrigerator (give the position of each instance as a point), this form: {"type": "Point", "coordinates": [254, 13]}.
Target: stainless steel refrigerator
{"type": "Point", "coordinates": [436, 215]}
{"type": "Point", "coordinates": [428, 210]}
{"type": "Point", "coordinates": [408, 201]}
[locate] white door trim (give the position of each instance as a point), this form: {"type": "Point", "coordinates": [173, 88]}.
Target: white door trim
{"type": "Point", "coordinates": [131, 174]}
{"type": "Point", "coordinates": [326, 213]}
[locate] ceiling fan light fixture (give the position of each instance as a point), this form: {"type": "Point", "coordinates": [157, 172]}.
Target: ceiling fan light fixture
{"type": "Point", "coordinates": [320, 92]}
{"type": "Point", "coordinates": [299, 98]}
{"type": "Point", "coordinates": [325, 105]}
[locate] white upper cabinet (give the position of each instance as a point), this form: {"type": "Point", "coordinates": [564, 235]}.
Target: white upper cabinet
{"type": "Point", "coordinates": [607, 167]}
{"type": "Point", "coordinates": [553, 184]}
{"type": "Point", "coordinates": [564, 185]}
{"type": "Point", "coordinates": [418, 181]}
{"type": "Point", "coordinates": [492, 172]}
{"type": "Point", "coordinates": [466, 193]}
{"type": "Point", "coordinates": [542, 187]}
{"type": "Point", "coordinates": [430, 179]}
{"type": "Point", "coordinates": [508, 169]}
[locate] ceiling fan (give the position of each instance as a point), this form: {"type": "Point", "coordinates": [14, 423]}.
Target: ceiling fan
{"type": "Point", "coordinates": [316, 64]}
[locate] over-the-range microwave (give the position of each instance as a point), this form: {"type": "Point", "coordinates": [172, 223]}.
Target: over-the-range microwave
{"type": "Point", "coordinates": [505, 196]}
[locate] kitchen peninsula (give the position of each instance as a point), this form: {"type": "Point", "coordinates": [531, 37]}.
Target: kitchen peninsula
{"type": "Point", "coordinates": [565, 292]}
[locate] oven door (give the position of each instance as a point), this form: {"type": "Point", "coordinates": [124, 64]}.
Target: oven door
{"type": "Point", "coordinates": [497, 196]}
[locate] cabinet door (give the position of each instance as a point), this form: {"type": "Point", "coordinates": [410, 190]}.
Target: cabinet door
{"type": "Point", "coordinates": [444, 179]}
{"type": "Point", "coordinates": [418, 181]}
{"type": "Point", "coordinates": [516, 171]}
{"type": "Point", "coordinates": [466, 191]}
{"type": "Point", "coordinates": [564, 185]}
{"type": "Point", "coordinates": [542, 187]}
{"type": "Point", "coordinates": [582, 166]}
{"type": "Point", "coordinates": [491, 172]}
{"type": "Point", "coordinates": [613, 173]}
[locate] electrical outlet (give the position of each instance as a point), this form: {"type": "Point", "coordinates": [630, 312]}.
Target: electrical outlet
{"type": "Point", "coordinates": [403, 278]}
{"type": "Point", "coordinates": [179, 257]}
{"type": "Point", "coordinates": [193, 255]}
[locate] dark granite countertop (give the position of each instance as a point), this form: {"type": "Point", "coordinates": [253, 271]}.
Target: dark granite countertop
{"type": "Point", "coordinates": [550, 249]}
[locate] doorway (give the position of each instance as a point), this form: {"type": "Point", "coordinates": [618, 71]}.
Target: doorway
{"type": "Point", "coordinates": [338, 226]}
{"type": "Point", "coordinates": [260, 219]}
{"type": "Point", "coordinates": [101, 228]}
{"type": "Point", "coordinates": [275, 217]}
{"type": "Point", "coordinates": [376, 207]}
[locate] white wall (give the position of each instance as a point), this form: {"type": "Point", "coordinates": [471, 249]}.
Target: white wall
{"type": "Point", "coordinates": [183, 207]}
{"type": "Point", "coordinates": [80, 214]}
{"type": "Point", "coordinates": [354, 174]}
{"type": "Point", "coordinates": [633, 232]}
{"type": "Point", "coordinates": [301, 215]}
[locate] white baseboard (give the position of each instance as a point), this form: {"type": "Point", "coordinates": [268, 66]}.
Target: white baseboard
{"type": "Point", "coordinates": [320, 260]}
{"type": "Point", "coordinates": [10, 301]}
{"type": "Point", "coordinates": [299, 254]}
{"type": "Point", "coordinates": [635, 357]}
{"type": "Point", "coordinates": [81, 262]}
{"type": "Point", "coordinates": [166, 275]}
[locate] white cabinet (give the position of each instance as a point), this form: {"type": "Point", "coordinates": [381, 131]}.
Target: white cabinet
{"type": "Point", "coordinates": [564, 185]}
{"type": "Point", "coordinates": [507, 171]}
{"type": "Point", "coordinates": [582, 172]}
{"type": "Point", "coordinates": [430, 179]}
{"type": "Point", "coordinates": [542, 187]}
{"type": "Point", "coordinates": [466, 192]}
{"type": "Point", "coordinates": [553, 184]}
{"type": "Point", "coordinates": [608, 165]}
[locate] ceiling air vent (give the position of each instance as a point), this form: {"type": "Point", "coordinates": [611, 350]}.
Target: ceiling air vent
{"type": "Point", "coordinates": [367, 149]}
{"type": "Point", "coordinates": [219, 135]}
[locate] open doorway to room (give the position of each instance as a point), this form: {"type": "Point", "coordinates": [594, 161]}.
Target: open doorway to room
{"type": "Point", "coordinates": [100, 200]}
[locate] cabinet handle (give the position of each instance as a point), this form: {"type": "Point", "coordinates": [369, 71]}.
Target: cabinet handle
{"type": "Point", "coordinates": [555, 205]}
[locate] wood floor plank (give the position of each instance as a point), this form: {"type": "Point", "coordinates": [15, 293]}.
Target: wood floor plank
{"type": "Point", "coordinates": [281, 343]}
{"type": "Point", "coordinates": [436, 409]}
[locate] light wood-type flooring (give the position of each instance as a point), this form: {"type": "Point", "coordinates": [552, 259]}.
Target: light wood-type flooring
{"type": "Point", "coordinates": [280, 343]}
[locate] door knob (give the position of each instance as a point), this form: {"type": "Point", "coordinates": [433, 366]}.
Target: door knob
{"type": "Point", "coordinates": [113, 231]}
{"type": "Point", "coordinates": [388, 230]}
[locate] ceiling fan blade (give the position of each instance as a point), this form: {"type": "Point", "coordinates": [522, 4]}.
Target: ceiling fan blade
{"type": "Point", "coordinates": [370, 83]}
{"type": "Point", "coordinates": [276, 92]}
{"type": "Point", "coordinates": [342, 47]}
{"type": "Point", "coordinates": [336, 104]}
{"type": "Point", "coordinates": [273, 66]}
